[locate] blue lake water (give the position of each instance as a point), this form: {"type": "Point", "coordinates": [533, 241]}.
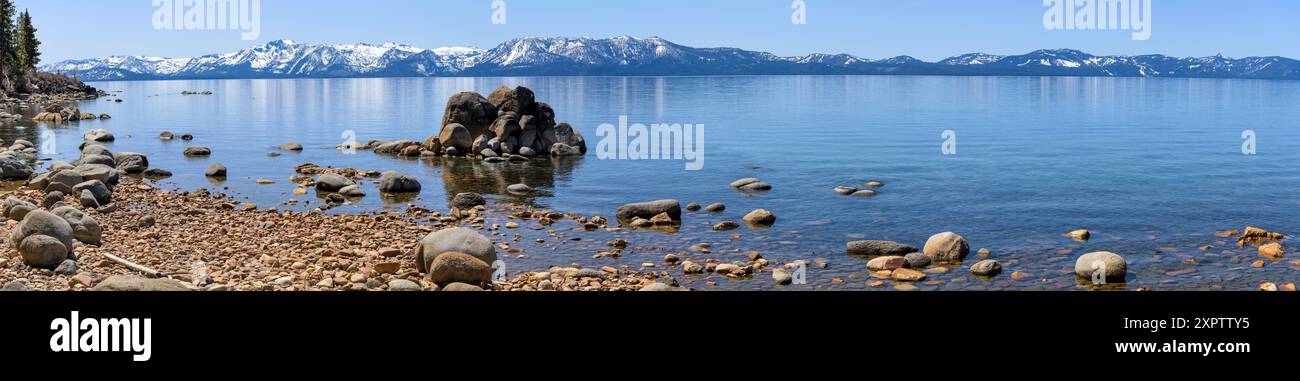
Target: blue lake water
{"type": "Point", "coordinates": [1152, 166]}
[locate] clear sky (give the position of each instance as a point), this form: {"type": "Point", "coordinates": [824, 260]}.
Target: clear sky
{"type": "Point", "coordinates": [926, 29]}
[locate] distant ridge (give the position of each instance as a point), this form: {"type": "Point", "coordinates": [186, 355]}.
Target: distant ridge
{"type": "Point", "coordinates": [632, 56]}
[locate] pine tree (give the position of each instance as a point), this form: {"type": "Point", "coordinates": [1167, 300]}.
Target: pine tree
{"type": "Point", "coordinates": [28, 48]}
{"type": "Point", "coordinates": [8, 54]}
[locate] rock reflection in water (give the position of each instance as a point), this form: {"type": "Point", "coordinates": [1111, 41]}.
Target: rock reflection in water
{"type": "Point", "coordinates": [475, 176]}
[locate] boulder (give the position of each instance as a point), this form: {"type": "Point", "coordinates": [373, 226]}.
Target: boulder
{"type": "Point", "coordinates": [458, 240]}
{"type": "Point", "coordinates": [43, 239]}
{"type": "Point", "coordinates": [134, 283]}
{"type": "Point", "coordinates": [97, 159]}
{"type": "Point", "coordinates": [87, 199]}
{"type": "Point", "coordinates": [875, 248]}
{"type": "Point", "coordinates": [1101, 266]}
{"type": "Point", "coordinates": [197, 151]}
{"type": "Point", "coordinates": [505, 126]}
{"type": "Point", "coordinates": [105, 174]}
{"type": "Point", "coordinates": [471, 111]}
{"type": "Point", "coordinates": [456, 136]}
{"type": "Point", "coordinates": [291, 147]}
{"type": "Point", "coordinates": [397, 182]}
{"type": "Point", "coordinates": [946, 247]}
{"type": "Point", "coordinates": [166, 135]}
{"type": "Point", "coordinates": [564, 150]}
{"type": "Point", "coordinates": [467, 200]}
{"type": "Point", "coordinates": [760, 218]}
{"type": "Point", "coordinates": [16, 209]}
{"type": "Point", "coordinates": [649, 210]}
{"type": "Point", "coordinates": [454, 267]}
{"type": "Point", "coordinates": [98, 135]}
{"type": "Point", "coordinates": [987, 267]}
{"type": "Point", "coordinates": [131, 162]}
{"type": "Point", "coordinates": [394, 147]}
{"type": "Point", "coordinates": [519, 100]}
{"type": "Point", "coordinates": [352, 191]}
{"type": "Point", "coordinates": [215, 170]}
{"type": "Point", "coordinates": [96, 188]}
{"type": "Point", "coordinates": [331, 183]}
{"type": "Point", "coordinates": [567, 135]}
{"type": "Point", "coordinates": [750, 185]}
{"type": "Point", "coordinates": [917, 260]}
{"type": "Point", "coordinates": [84, 228]}
{"type": "Point", "coordinates": [13, 167]}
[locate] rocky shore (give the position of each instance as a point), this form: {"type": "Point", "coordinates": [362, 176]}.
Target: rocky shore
{"type": "Point", "coordinates": [101, 222]}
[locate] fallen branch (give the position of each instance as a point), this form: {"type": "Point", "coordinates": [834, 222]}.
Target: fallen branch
{"type": "Point", "coordinates": [131, 265]}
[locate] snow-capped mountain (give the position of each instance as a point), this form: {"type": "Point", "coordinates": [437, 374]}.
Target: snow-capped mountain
{"type": "Point", "coordinates": [542, 56]}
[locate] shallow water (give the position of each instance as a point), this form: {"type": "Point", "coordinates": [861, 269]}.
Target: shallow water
{"type": "Point", "coordinates": [1152, 166]}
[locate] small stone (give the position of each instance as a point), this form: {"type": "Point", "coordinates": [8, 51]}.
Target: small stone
{"type": "Point", "coordinates": [1269, 286]}
{"type": "Point", "coordinates": [388, 267]}
{"type": "Point", "coordinates": [907, 275]}
{"type": "Point", "coordinates": [887, 263]}
{"type": "Point", "coordinates": [403, 285]}
{"type": "Point", "coordinates": [1080, 235]}
{"type": "Point", "coordinates": [782, 277]}
{"type": "Point", "coordinates": [1272, 250]}
{"type": "Point", "coordinates": [726, 226]}
{"type": "Point", "coordinates": [67, 267]}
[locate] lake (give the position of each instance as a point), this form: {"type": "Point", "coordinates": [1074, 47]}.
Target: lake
{"type": "Point", "coordinates": [1153, 167]}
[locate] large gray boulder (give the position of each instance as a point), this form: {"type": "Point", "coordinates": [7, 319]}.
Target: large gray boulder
{"type": "Point", "coordinates": [84, 228]}
{"type": "Point", "coordinates": [98, 135]}
{"type": "Point", "coordinates": [97, 188]}
{"type": "Point", "coordinates": [16, 208]}
{"type": "Point", "coordinates": [42, 239]}
{"type": "Point", "coordinates": [215, 170]}
{"type": "Point", "coordinates": [876, 248]}
{"type": "Point", "coordinates": [13, 167]}
{"type": "Point", "coordinates": [105, 174]}
{"type": "Point", "coordinates": [470, 110]}
{"type": "Point", "coordinates": [458, 240]}
{"type": "Point", "coordinates": [648, 210]}
{"type": "Point", "coordinates": [566, 134]}
{"type": "Point", "coordinates": [467, 200]}
{"type": "Point", "coordinates": [331, 183]}
{"type": "Point", "coordinates": [131, 162]}
{"type": "Point", "coordinates": [397, 182]}
{"type": "Point", "coordinates": [519, 100]}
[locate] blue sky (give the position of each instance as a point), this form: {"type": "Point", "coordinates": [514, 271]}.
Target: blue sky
{"type": "Point", "coordinates": [926, 29]}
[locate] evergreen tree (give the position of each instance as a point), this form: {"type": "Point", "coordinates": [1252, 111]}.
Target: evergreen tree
{"type": "Point", "coordinates": [28, 48]}
{"type": "Point", "coordinates": [8, 54]}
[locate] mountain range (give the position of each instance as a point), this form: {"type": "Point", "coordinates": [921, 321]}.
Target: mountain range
{"type": "Point", "coordinates": [632, 56]}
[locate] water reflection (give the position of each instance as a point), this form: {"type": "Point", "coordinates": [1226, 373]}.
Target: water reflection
{"type": "Point", "coordinates": [475, 176]}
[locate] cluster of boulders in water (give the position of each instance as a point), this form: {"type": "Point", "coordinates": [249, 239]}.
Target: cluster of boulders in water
{"type": "Point", "coordinates": [60, 114]}
{"type": "Point", "coordinates": [508, 125]}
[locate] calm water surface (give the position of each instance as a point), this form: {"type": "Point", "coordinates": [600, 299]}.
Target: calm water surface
{"type": "Point", "coordinates": [1152, 166]}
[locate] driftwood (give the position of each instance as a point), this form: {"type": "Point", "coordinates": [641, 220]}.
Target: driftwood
{"type": "Point", "coordinates": [131, 265]}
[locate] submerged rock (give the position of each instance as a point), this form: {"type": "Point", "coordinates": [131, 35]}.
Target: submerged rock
{"type": "Point", "coordinates": [397, 182]}
{"type": "Point", "coordinates": [873, 248]}
{"type": "Point", "coordinates": [649, 210]}
{"type": "Point", "coordinates": [1112, 267]}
